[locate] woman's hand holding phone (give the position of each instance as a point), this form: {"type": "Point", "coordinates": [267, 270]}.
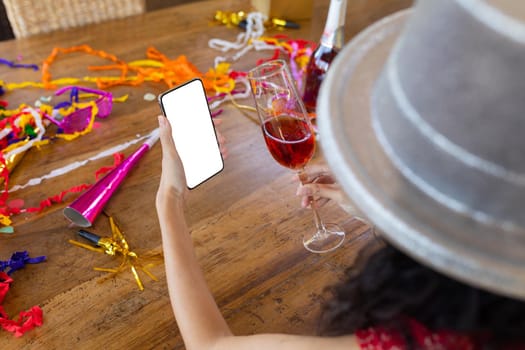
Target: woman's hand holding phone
{"type": "Point", "coordinates": [193, 132]}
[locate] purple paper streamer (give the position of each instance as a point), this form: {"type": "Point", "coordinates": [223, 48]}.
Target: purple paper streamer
{"type": "Point", "coordinates": [63, 104]}
{"type": "Point", "coordinates": [18, 261]}
{"type": "Point", "coordinates": [18, 65]}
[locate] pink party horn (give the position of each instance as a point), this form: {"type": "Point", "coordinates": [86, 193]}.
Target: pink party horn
{"type": "Point", "coordinates": [83, 211]}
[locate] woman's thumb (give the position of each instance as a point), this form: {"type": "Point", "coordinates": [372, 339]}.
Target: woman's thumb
{"type": "Point", "coordinates": [328, 191]}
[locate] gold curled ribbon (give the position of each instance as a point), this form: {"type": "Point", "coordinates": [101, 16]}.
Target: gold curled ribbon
{"type": "Point", "coordinates": [118, 245]}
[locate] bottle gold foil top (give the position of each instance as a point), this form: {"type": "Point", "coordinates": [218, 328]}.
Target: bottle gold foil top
{"type": "Point", "coordinates": [229, 18]}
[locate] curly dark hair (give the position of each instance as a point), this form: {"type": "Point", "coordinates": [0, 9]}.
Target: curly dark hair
{"type": "Point", "coordinates": [385, 286]}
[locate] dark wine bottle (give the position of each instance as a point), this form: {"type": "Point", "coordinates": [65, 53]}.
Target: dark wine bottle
{"type": "Point", "coordinates": [331, 42]}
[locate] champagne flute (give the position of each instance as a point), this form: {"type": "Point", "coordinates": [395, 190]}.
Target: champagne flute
{"type": "Point", "coordinates": [289, 136]}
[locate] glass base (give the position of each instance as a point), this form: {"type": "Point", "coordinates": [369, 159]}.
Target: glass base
{"type": "Point", "coordinates": [323, 242]}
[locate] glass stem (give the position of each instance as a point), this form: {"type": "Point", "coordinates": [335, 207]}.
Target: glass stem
{"type": "Point", "coordinates": [319, 225]}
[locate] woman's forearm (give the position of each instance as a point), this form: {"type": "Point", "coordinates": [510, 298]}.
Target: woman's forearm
{"type": "Point", "coordinates": [198, 317]}
{"type": "Point", "coordinates": [200, 322]}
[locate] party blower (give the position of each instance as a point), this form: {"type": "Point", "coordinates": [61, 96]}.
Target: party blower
{"type": "Point", "coordinates": [83, 211]}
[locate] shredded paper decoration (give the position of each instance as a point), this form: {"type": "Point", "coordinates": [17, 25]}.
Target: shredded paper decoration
{"type": "Point", "coordinates": [26, 127]}
{"type": "Point", "coordinates": [29, 319]}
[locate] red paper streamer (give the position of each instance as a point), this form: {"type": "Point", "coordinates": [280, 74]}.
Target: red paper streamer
{"type": "Point", "coordinates": [117, 159]}
{"type": "Point", "coordinates": [26, 321]}
{"type": "Point", "coordinates": [8, 210]}
{"type": "Point", "coordinates": [59, 198]}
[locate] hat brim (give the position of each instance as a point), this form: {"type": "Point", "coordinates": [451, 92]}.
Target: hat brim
{"type": "Point", "coordinates": [433, 234]}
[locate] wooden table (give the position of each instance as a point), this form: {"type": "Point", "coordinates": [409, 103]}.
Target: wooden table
{"type": "Point", "coordinates": [246, 223]}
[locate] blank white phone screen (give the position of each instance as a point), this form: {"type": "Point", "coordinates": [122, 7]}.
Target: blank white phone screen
{"type": "Point", "coordinates": [186, 107]}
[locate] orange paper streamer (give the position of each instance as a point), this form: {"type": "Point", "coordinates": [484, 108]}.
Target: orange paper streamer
{"type": "Point", "coordinates": [157, 68]}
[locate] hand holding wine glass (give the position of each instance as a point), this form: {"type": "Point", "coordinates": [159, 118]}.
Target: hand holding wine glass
{"type": "Point", "coordinates": [289, 136]}
{"type": "Point", "coordinates": [321, 187]}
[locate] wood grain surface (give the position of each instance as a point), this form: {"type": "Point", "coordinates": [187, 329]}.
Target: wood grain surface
{"type": "Point", "coordinates": [246, 223]}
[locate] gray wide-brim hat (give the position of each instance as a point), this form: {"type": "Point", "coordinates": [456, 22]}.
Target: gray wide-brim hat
{"type": "Point", "coordinates": [422, 120]}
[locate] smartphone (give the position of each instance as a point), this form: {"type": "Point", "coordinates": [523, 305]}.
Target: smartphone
{"type": "Point", "coordinates": [186, 108]}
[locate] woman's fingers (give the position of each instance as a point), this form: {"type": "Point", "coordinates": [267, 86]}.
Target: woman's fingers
{"type": "Point", "coordinates": [220, 137]}
{"type": "Point", "coordinates": [217, 121]}
{"type": "Point", "coordinates": [318, 190]}
{"type": "Point", "coordinates": [320, 176]}
{"type": "Point", "coordinates": [317, 173]}
{"type": "Point", "coordinates": [306, 202]}
{"type": "Point", "coordinates": [222, 145]}
{"type": "Point", "coordinates": [322, 193]}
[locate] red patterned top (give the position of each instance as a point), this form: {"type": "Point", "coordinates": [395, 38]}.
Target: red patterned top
{"type": "Point", "coordinates": [380, 338]}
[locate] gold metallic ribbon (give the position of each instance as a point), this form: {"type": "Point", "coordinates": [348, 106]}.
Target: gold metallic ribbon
{"type": "Point", "coordinates": [118, 245]}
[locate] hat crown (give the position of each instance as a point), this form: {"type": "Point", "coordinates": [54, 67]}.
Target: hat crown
{"type": "Point", "coordinates": [448, 107]}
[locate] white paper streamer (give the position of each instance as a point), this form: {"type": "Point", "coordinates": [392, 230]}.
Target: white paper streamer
{"type": "Point", "coordinates": [68, 168]}
{"type": "Point", "coordinates": [245, 41]}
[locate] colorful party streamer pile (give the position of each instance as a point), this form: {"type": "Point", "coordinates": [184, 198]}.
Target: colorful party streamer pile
{"type": "Point", "coordinates": [25, 127]}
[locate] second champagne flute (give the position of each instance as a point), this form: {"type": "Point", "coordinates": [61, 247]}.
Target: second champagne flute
{"type": "Point", "coordinates": [289, 136]}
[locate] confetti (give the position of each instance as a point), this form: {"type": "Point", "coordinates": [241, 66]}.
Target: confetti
{"type": "Point", "coordinates": [149, 97]}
